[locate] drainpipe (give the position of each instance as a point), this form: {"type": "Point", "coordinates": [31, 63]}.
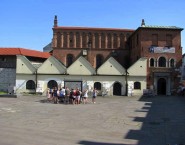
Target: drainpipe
{"type": "Point", "coordinates": [35, 81]}
{"type": "Point", "coordinates": [126, 84]}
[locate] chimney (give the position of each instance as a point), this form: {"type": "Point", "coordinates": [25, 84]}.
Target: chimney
{"type": "Point", "coordinates": [55, 21]}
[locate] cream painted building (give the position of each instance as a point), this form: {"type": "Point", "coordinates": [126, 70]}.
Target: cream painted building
{"type": "Point", "coordinates": [110, 78]}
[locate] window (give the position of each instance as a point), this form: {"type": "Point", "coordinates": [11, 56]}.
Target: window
{"type": "Point", "coordinates": [168, 40]}
{"type": "Point", "coordinates": [154, 40]}
{"type": "Point", "coordinates": [152, 62]}
{"type": "Point", "coordinates": [3, 59]}
{"type": "Point", "coordinates": [97, 85]}
{"type": "Point", "coordinates": [162, 62]}
{"type": "Point", "coordinates": [137, 85]}
{"type": "Point", "coordinates": [69, 60]}
{"type": "Point", "coordinates": [30, 85]}
{"type": "Point", "coordinates": [52, 84]}
{"type": "Point", "coordinates": [172, 63]}
{"type": "Point", "coordinates": [99, 60]}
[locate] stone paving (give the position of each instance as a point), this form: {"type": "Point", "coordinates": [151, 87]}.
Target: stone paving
{"type": "Point", "coordinates": [117, 120]}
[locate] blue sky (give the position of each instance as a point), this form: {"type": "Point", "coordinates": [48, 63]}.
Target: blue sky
{"type": "Point", "coordinates": [28, 23]}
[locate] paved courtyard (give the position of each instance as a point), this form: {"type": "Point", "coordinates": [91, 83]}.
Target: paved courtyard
{"type": "Point", "coordinates": [29, 120]}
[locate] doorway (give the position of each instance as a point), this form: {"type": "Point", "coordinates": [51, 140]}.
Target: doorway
{"type": "Point", "coordinates": [161, 86]}
{"type": "Point", "coordinates": [117, 89]}
{"type": "Point", "coordinates": [52, 84]}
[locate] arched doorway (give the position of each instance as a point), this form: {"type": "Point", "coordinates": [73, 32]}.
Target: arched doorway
{"type": "Point", "coordinates": [117, 89]}
{"type": "Point", "coordinates": [161, 86]}
{"type": "Point", "coordinates": [97, 85]}
{"type": "Point", "coordinates": [52, 83]}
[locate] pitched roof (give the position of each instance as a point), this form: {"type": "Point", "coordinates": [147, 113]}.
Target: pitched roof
{"type": "Point", "coordinates": [161, 27]}
{"type": "Point", "coordinates": [23, 51]}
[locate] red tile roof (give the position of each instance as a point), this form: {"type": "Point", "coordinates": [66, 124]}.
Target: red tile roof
{"type": "Point", "coordinates": [91, 28]}
{"type": "Point", "coordinates": [23, 51]}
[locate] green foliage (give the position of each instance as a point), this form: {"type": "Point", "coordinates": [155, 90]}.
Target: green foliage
{"type": "Point", "coordinates": [2, 92]}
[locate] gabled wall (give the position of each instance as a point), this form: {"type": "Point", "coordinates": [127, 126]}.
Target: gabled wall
{"type": "Point", "coordinates": [111, 67]}
{"type": "Point", "coordinates": [24, 66]}
{"type": "Point", "coordinates": [139, 68]}
{"type": "Point", "coordinates": [81, 67]}
{"type": "Point", "coordinates": [137, 73]}
{"type": "Point", "coordinates": [51, 66]}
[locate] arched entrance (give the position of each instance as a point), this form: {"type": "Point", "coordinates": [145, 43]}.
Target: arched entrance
{"type": "Point", "coordinates": [97, 85]}
{"type": "Point", "coordinates": [117, 89]}
{"type": "Point", "coordinates": [161, 86]}
{"type": "Point", "coordinates": [52, 83]}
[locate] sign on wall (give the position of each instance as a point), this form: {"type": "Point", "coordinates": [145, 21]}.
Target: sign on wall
{"type": "Point", "coordinates": [73, 84]}
{"type": "Point", "coordinates": [154, 49]}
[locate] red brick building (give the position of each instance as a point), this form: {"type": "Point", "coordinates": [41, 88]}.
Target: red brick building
{"type": "Point", "coordinates": [160, 45]}
{"type": "Point", "coordinates": [96, 44]}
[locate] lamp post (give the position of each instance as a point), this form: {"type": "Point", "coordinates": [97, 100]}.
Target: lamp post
{"type": "Point", "coordinates": [126, 84]}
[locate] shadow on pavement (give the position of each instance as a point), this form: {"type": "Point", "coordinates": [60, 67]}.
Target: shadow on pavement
{"type": "Point", "coordinates": [97, 143]}
{"type": "Point", "coordinates": [164, 123]}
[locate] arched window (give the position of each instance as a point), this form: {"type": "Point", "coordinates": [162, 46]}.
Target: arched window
{"type": "Point", "coordinates": [99, 60]}
{"type": "Point", "coordinates": [97, 85]}
{"type": "Point", "coordinates": [162, 62]}
{"type": "Point", "coordinates": [172, 63]}
{"type": "Point", "coordinates": [30, 85]}
{"type": "Point", "coordinates": [152, 62]}
{"type": "Point", "coordinates": [137, 85]}
{"type": "Point", "coordinates": [69, 60]}
{"type": "Point", "coordinates": [52, 84]}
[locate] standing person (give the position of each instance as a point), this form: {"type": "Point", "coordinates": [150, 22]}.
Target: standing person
{"type": "Point", "coordinates": [48, 93]}
{"type": "Point", "coordinates": [55, 97]}
{"type": "Point", "coordinates": [95, 92]}
{"type": "Point", "coordinates": [63, 93]}
{"type": "Point", "coordinates": [78, 96]}
{"type": "Point", "coordinates": [73, 96]}
{"type": "Point", "coordinates": [67, 95]}
{"type": "Point", "coordinates": [85, 96]}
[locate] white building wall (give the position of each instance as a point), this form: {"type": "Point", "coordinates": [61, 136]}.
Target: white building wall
{"type": "Point", "coordinates": [88, 81]}
{"type": "Point", "coordinates": [136, 92]}
{"type": "Point", "coordinates": [21, 83]}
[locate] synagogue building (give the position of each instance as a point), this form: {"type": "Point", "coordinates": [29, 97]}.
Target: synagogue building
{"type": "Point", "coordinates": [116, 61]}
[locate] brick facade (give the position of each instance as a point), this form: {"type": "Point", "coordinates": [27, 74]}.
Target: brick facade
{"type": "Point", "coordinates": [126, 46]}
{"type": "Point", "coordinates": [96, 41]}
{"type": "Point", "coordinates": [169, 38]}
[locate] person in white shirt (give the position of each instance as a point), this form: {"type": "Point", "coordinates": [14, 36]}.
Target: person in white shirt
{"type": "Point", "coordinates": [85, 96]}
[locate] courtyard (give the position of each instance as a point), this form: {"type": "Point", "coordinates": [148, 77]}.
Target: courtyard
{"type": "Point", "coordinates": [116, 120]}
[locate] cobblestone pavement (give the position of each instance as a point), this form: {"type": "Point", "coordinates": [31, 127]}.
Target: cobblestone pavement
{"type": "Point", "coordinates": [117, 120]}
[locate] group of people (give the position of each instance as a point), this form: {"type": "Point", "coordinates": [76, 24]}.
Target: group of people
{"type": "Point", "coordinates": [67, 96]}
